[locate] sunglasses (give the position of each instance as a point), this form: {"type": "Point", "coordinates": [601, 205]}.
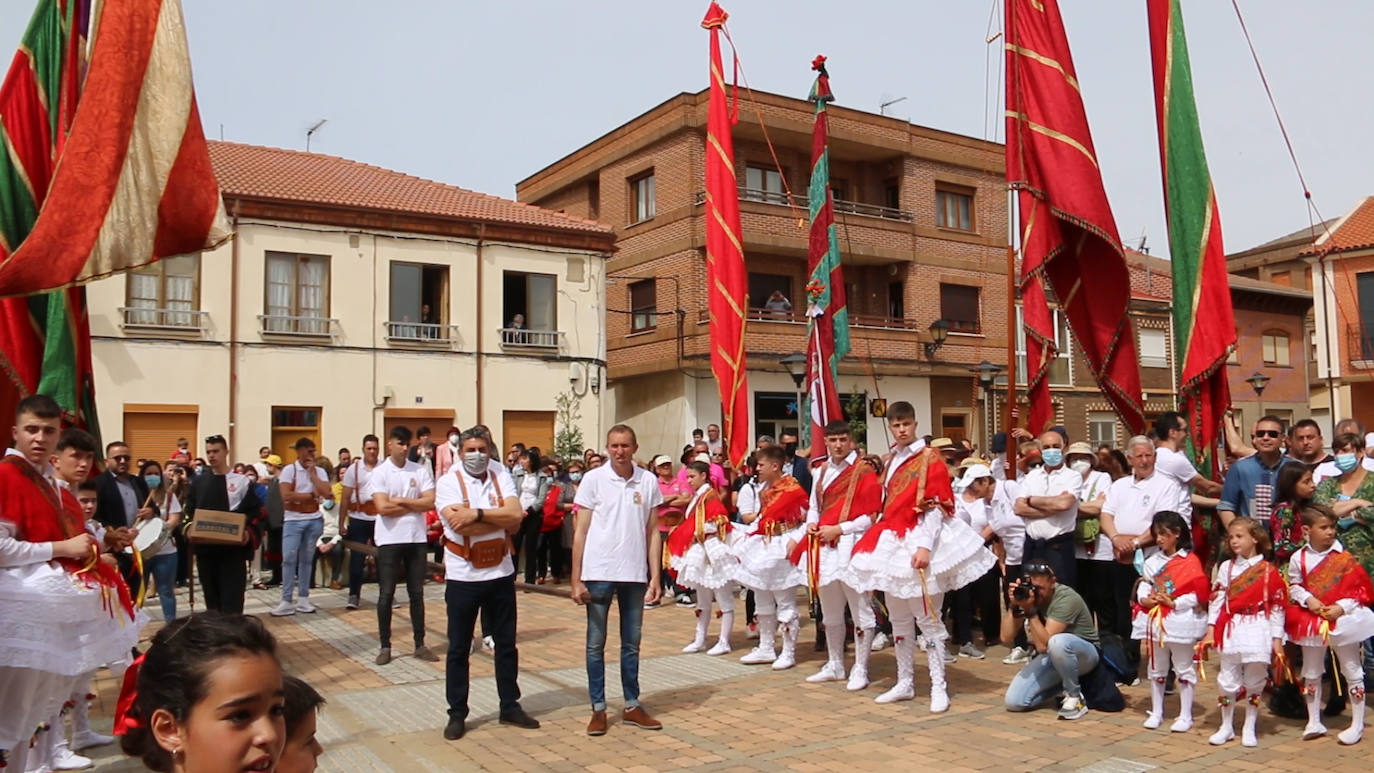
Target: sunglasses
{"type": "Point", "coordinates": [121, 458]}
{"type": "Point", "coordinates": [217, 439]}
{"type": "Point", "coordinates": [1272, 433]}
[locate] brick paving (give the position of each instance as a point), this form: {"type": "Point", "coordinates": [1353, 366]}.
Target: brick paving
{"type": "Point", "coordinates": [719, 715]}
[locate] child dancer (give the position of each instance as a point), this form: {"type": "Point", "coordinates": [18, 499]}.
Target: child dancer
{"type": "Point", "coordinates": [700, 557]}
{"type": "Point", "coordinates": [1171, 616]}
{"type": "Point", "coordinates": [1330, 595]}
{"type": "Point", "coordinates": [1245, 624]}
{"type": "Point", "coordinates": [915, 554]}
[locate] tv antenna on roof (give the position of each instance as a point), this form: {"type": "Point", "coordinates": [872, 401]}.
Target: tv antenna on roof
{"type": "Point", "coordinates": [882, 108]}
{"type": "Point", "coordinates": [311, 131]}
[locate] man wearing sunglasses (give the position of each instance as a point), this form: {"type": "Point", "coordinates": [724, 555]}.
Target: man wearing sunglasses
{"type": "Point", "coordinates": [1250, 483]}
{"type": "Point", "coordinates": [122, 501]}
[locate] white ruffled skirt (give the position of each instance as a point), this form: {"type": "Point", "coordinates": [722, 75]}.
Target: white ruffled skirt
{"type": "Point", "coordinates": [1350, 629]}
{"type": "Point", "coordinates": [957, 559]}
{"type": "Point", "coordinates": [834, 560]}
{"type": "Point", "coordinates": [763, 561]}
{"type": "Point", "coordinates": [1249, 638]}
{"type": "Point", "coordinates": [706, 565]}
{"type": "Point", "coordinates": [52, 622]}
{"type": "Point", "coordinates": [1179, 627]}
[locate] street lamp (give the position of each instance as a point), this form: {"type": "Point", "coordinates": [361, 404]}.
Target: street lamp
{"type": "Point", "coordinates": [795, 363]}
{"type": "Point", "coordinates": [939, 330]}
{"type": "Point", "coordinates": [1258, 382]}
{"type": "Point", "coordinates": [987, 376]}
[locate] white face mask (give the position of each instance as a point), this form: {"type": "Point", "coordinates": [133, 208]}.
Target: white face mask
{"type": "Point", "coordinates": [453, 440]}
{"type": "Point", "coordinates": [1080, 466]}
{"type": "Point", "coordinates": [475, 462]}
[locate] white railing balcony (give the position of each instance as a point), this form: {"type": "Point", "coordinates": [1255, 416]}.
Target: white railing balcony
{"type": "Point", "coordinates": [799, 201]}
{"type": "Point", "coordinates": [296, 326]}
{"type": "Point", "coordinates": [420, 333]}
{"type": "Point", "coordinates": [184, 320]}
{"type": "Point", "coordinates": [519, 338]}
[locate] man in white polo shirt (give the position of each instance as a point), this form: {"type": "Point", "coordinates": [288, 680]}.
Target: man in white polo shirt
{"type": "Point", "coordinates": [617, 553]}
{"type": "Point", "coordinates": [1127, 514]}
{"type": "Point", "coordinates": [479, 509]}
{"type": "Point", "coordinates": [1049, 505]}
{"type": "Point", "coordinates": [304, 487]}
{"type": "Point", "coordinates": [402, 490]}
{"type": "Point", "coordinates": [362, 513]}
{"type": "Point", "coordinates": [1170, 460]}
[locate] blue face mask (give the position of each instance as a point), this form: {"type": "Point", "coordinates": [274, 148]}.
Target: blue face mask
{"type": "Point", "coordinates": [574, 476]}
{"type": "Point", "coordinates": [153, 481]}
{"type": "Point", "coordinates": [1053, 456]}
{"type": "Point", "coordinates": [1346, 462]}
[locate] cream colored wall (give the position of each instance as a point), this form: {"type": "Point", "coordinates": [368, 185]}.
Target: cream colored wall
{"type": "Point", "coordinates": [348, 376]}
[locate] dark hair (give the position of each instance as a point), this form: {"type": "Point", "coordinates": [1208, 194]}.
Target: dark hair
{"type": "Point", "coordinates": [304, 442]}
{"type": "Point", "coordinates": [176, 671]}
{"type": "Point", "coordinates": [1314, 513]}
{"type": "Point", "coordinates": [1037, 568]}
{"type": "Point", "coordinates": [400, 434]}
{"type": "Point", "coordinates": [773, 454]}
{"type": "Point", "coordinates": [1168, 520]}
{"type": "Point", "coordinates": [1167, 422]}
{"type": "Point", "coordinates": [1348, 440]}
{"type": "Point", "coordinates": [343, 451]}
{"type": "Point", "coordinates": [701, 467]}
{"type": "Point", "coordinates": [143, 468]}
{"type": "Point", "coordinates": [1304, 424]}
{"type": "Point", "coordinates": [1286, 487]}
{"type": "Point", "coordinates": [88, 485]}
{"type": "Point", "coordinates": [837, 427]}
{"type": "Point", "coordinates": [475, 433]}
{"type": "Point", "coordinates": [900, 410]}
{"type": "Point", "coordinates": [42, 406]}
{"type": "Point", "coordinates": [301, 699]}
{"type": "Point", "coordinates": [423, 430]}
{"type": "Point", "coordinates": [698, 431]}
{"type": "Point", "coordinates": [113, 444]}
{"type": "Point", "coordinates": [76, 439]}
{"type": "Point", "coordinates": [370, 438]}
{"type": "Point", "coordinates": [1270, 419]}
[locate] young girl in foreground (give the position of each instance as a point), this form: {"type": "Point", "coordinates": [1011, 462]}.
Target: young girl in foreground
{"type": "Point", "coordinates": [701, 558]}
{"type": "Point", "coordinates": [1171, 616]}
{"type": "Point", "coordinates": [206, 697]}
{"type": "Point", "coordinates": [1330, 589]}
{"type": "Point", "coordinates": [1246, 625]}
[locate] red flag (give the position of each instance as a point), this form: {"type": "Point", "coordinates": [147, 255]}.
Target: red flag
{"type": "Point", "coordinates": [822, 400]}
{"type": "Point", "coordinates": [726, 278]}
{"type": "Point", "coordinates": [1069, 240]}
{"type": "Point", "coordinates": [828, 327]}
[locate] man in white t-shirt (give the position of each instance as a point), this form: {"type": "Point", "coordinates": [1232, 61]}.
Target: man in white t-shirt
{"type": "Point", "coordinates": [617, 553]}
{"type": "Point", "coordinates": [362, 514]}
{"type": "Point", "coordinates": [402, 490]}
{"type": "Point", "coordinates": [1049, 505]}
{"type": "Point", "coordinates": [479, 511]}
{"type": "Point", "coordinates": [304, 488]}
{"type": "Point", "coordinates": [1170, 460]}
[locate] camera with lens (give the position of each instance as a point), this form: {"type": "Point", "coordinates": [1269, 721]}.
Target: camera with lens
{"type": "Point", "coordinates": [1022, 590]}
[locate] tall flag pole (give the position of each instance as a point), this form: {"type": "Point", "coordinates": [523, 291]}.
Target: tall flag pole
{"type": "Point", "coordinates": [1204, 323]}
{"type": "Point", "coordinates": [726, 278]}
{"type": "Point", "coordinates": [1069, 241]}
{"type": "Point", "coordinates": [826, 310]}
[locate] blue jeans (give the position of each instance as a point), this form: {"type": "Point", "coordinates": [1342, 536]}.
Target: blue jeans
{"type": "Point", "coordinates": [297, 555]}
{"type": "Point", "coordinates": [1048, 673]}
{"type": "Point", "coordinates": [629, 597]}
{"type": "Point", "coordinates": [164, 573]}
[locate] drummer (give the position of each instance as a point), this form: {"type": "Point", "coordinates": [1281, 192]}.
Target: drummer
{"type": "Point", "coordinates": [159, 551]}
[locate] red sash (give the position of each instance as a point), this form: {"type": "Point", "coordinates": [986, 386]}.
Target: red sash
{"type": "Point", "coordinates": [854, 492]}
{"type": "Point", "coordinates": [1178, 577]}
{"type": "Point", "coordinates": [1258, 590]}
{"type": "Point", "coordinates": [708, 509]}
{"type": "Point", "coordinates": [920, 482]}
{"type": "Point", "coordinates": [1338, 576]}
{"type": "Point", "coordinates": [781, 504]}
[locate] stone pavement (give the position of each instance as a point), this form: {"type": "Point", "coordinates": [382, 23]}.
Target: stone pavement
{"type": "Point", "coordinates": [719, 715]}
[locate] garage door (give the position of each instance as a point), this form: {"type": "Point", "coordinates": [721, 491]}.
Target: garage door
{"type": "Point", "coordinates": [152, 432]}
{"type": "Point", "coordinates": [533, 428]}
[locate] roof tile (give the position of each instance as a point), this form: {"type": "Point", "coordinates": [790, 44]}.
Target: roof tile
{"type": "Point", "coordinates": [1355, 231]}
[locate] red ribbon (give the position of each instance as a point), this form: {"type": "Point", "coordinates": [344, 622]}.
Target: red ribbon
{"type": "Point", "coordinates": [126, 719]}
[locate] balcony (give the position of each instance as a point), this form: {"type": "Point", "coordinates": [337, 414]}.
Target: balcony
{"type": "Point", "coordinates": [795, 317]}
{"type": "Point", "coordinates": [178, 320]}
{"type": "Point", "coordinates": [800, 201]}
{"type": "Point", "coordinates": [1359, 345]}
{"type": "Point", "coordinates": [520, 338]}
{"type": "Point", "coordinates": [287, 326]}
{"type": "Point", "coordinates": [420, 334]}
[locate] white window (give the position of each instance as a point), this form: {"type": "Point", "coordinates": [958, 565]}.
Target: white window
{"type": "Point", "coordinates": [642, 196]}
{"type": "Point", "coordinates": [1275, 344]}
{"type": "Point", "coordinates": [163, 293]}
{"type": "Point", "coordinates": [1154, 348]}
{"type": "Point", "coordinates": [1102, 428]}
{"type": "Point", "coordinates": [761, 184]}
{"type": "Point", "coordinates": [297, 294]}
{"type": "Point", "coordinates": [1061, 372]}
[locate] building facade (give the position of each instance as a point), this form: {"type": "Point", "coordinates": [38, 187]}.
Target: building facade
{"type": "Point", "coordinates": [351, 299]}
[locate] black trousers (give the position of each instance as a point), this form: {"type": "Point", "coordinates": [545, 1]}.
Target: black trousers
{"type": "Point", "coordinates": [494, 600]}
{"type": "Point", "coordinates": [1058, 552]}
{"type": "Point", "coordinates": [549, 553]}
{"type": "Point", "coordinates": [361, 533]}
{"type": "Point", "coordinates": [981, 596]}
{"type": "Point", "coordinates": [393, 563]}
{"type": "Point", "coordinates": [528, 540]}
{"type": "Point", "coordinates": [223, 577]}
{"type": "Point", "coordinates": [1013, 574]}
{"type": "Point", "coordinates": [1115, 614]}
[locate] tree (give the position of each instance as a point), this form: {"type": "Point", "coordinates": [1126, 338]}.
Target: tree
{"type": "Point", "coordinates": [567, 442]}
{"type": "Point", "coordinates": [856, 411]}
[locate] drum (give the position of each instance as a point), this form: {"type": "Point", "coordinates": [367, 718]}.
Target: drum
{"type": "Point", "coordinates": [149, 537]}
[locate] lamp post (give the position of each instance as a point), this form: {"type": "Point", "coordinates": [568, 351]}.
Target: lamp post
{"type": "Point", "coordinates": [987, 376]}
{"type": "Point", "coordinates": [795, 363]}
{"type": "Point", "coordinates": [939, 330]}
{"type": "Point", "coordinates": [1258, 382]}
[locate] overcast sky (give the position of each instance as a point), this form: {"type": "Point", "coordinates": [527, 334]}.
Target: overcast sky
{"type": "Point", "coordinates": [483, 94]}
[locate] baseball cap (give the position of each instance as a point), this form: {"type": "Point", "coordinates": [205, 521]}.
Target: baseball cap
{"type": "Point", "coordinates": [702, 458]}
{"type": "Point", "coordinates": [661, 459]}
{"type": "Point", "coordinates": [273, 460]}
{"type": "Point", "coordinates": [974, 472]}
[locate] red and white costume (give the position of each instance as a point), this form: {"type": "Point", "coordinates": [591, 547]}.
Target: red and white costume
{"type": "Point", "coordinates": [1171, 634]}
{"type": "Point", "coordinates": [765, 568]}
{"type": "Point", "coordinates": [700, 555]}
{"type": "Point", "coordinates": [1247, 612]}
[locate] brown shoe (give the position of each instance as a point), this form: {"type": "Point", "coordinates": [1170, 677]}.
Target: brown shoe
{"type": "Point", "coordinates": [598, 724]}
{"type": "Point", "coordinates": [638, 717]}
{"type": "Point", "coordinates": [335, 585]}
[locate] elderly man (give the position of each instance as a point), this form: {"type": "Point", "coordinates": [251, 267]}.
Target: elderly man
{"type": "Point", "coordinates": [1131, 505]}
{"type": "Point", "coordinates": [1049, 505]}
{"type": "Point", "coordinates": [1251, 482]}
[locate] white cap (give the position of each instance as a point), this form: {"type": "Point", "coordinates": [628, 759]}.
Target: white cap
{"type": "Point", "coordinates": [1369, 440]}
{"type": "Point", "coordinates": [659, 460]}
{"type": "Point", "coordinates": [702, 458]}
{"type": "Point", "coordinates": [974, 472]}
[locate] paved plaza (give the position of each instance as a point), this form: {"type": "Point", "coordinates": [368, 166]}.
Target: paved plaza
{"type": "Point", "coordinates": [719, 715]}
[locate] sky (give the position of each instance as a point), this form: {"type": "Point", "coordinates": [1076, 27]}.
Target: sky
{"type": "Point", "coordinates": [482, 95]}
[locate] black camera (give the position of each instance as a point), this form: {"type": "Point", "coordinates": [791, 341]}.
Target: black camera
{"type": "Point", "coordinates": [1022, 590]}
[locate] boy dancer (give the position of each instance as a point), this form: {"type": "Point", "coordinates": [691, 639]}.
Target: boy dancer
{"type": "Point", "coordinates": [915, 554]}
{"type": "Point", "coordinates": [763, 563]}
{"type": "Point", "coordinates": [846, 497]}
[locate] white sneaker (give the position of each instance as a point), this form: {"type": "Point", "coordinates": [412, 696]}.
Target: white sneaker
{"type": "Point", "coordinates": [1313, 730]}
{"type": "Point", "coordinates": [696, 646]}
{"type": "Point", "coordinates": [970, 651]}
{"type": "Point", "coordinates": [828, 673]}
{"type": "Point", "coordinates": [1351, 735]}
{"type": "Point", "coordinates": [760, 654]}
{"type": "Point", "coordinates": [720, 648]}
{"type": "Point", "coordinates": [488, 644]}
{"type": "Point", "coordinates": [303, 605]}
{"type": "Point", "coordinates": [1072, 708]}
{"type": "Point", "coordinates": [858, 680]}
{"type": "Point", "coordinates": [939, 701]}
{"type": "Point", "coordinates": [66, 759]}
{"type": "Point", "coordinates": [902, 691]}
{"type": "Point", "coordinates": [1181, 725]}
{"type": "Point", "coordinates": [1222, 736]}
{"type": "Point", "coordinates": [87, 739]}
{"type": "Point", "coordinates": [1152, 721]}
{"type": "Point", "coordinates": [1018, 656]}
{"type": "Point", "coordinates": [284, 609]}
{"type": "Point", "coordinates": [880, 642]}
{"type": "Point", "coordinates": [784, 661]}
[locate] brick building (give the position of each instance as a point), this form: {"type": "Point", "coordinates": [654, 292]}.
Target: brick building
{"type": "Point", "coordinates": [922, 226]}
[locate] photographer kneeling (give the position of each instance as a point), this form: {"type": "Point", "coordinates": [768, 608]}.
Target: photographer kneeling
{"type": "Point", "coordinates": [1061, 629]}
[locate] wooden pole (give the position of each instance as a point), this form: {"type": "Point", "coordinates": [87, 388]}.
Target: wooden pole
{"type": "Point", "coordinates": [1009, 417]}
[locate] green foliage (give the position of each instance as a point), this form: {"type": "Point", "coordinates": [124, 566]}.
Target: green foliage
{"type": "Point", "coordinates": [567, 441]}
{"type": "Point", "coordinates": [856, 410]}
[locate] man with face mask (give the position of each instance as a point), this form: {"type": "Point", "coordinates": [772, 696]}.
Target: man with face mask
{"type": "Point", "coordinates": [1049, 505]}
{"type": "Point", "coordinates": [446, 453]}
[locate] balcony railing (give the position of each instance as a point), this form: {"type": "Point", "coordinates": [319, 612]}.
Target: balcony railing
{"type": "Point", "coordinates": [422, 333]}
{"type": "Point", "coordinates": [519, 338]}
{"type": "Point", "coordinates": [755, 314]}
{"type": "Point", "coordinates": [800, 202]}
{"type": "Point", "coordinates": [163, 319]}
{"type": "Point", "coordinates": [296, 326]}
{"type": "Point", "coordinates": [1359, 342]}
